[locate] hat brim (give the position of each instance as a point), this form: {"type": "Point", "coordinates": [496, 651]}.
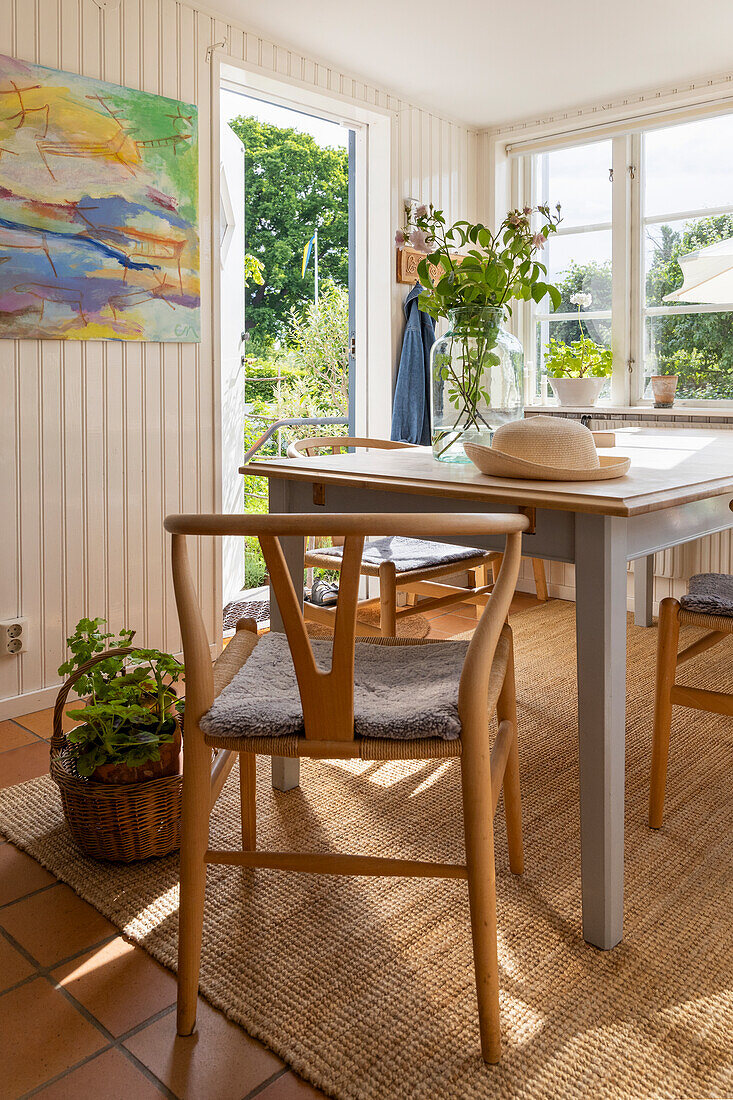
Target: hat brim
{"type": "Point", "coordinates": [498, 464]}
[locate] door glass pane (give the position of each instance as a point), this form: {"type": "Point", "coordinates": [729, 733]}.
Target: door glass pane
{"type": "Point", "coordinates": [696, 346]}
{"type": "Point", "coordinates": [689, 166]}
{"type": "Point", "coordinates": [577, 178]}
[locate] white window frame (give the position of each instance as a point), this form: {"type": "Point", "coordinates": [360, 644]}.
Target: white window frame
{"type": "Point", "coordinates": [512, 162]}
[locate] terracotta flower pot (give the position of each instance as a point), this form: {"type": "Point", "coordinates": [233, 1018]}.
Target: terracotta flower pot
{"type": "Point", "coordinates": [664, 387]}
{"type": "Point", "coordinates": [169, 764]}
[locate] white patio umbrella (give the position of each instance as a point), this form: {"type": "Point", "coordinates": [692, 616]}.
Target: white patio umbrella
{"type": "Point", "coordinates": [708, 276]}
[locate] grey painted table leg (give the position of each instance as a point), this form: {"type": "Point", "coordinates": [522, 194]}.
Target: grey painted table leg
{"type": "Point", "coordinates": [285, 769]}
{"type": "Point", "coordinates": [600, 592]}
{"type": "Point", "coordinates": [644, 590]}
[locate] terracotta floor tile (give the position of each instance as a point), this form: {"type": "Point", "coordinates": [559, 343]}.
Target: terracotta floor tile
{"type": "Point", "coordinates": [19, 874]}
{"type": "Point", "coordinates": [39, 721]}
{"type": "Point", "coordinates": [455, 624]}
{"type": "Point", "coordinates": [109, 1076]}
{"type": "Point", "coordinates": [440, 634]}
{"type": "Point", "coordinates": [27, 762]}
{"type": "Point", "coordinates": [13, 967]}
{"type": "Point", "coordinates": [41, 1035]}
{"type": "Point", "coordinates": [119, 984]}
{"type": "Point", "coordinates": [290, 1087]}
{"type": "Point", "coordinates": [54, 924]}
{"type": "Point", "coordinates": [12, 736]}
{"type": "Point", "coordinates": [219, 1062]}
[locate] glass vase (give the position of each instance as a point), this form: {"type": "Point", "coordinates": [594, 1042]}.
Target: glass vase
{"type": "Point", "coordinates": [477, 381]}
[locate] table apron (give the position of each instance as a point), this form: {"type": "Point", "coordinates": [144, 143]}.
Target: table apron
{"type": "Point", "coordinates": [554, 537]}
{"type": "Point", "coordinates": [554, 534]}
{"type": "Point", "coordinates": [655, 531]}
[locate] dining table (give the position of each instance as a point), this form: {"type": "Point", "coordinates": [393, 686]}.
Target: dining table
{"type": "Point", "coordinates": [679, 487]}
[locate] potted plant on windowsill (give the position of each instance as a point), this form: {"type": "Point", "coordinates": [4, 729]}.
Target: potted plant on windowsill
{"type": "Point", "coordinates": [664, 388]}
{"type": "Point", "coordinates": [118, 769]}
{"type": "Point", "coordinates": [578, 370]}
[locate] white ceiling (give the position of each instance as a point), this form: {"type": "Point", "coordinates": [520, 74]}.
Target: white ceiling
{"type": "Point", "coordinates": [484, 62]}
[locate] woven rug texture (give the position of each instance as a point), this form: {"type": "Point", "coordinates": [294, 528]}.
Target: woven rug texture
{"type": "Point", "coordinates": [366, 987]}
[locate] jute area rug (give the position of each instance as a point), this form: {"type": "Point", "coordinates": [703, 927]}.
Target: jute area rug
{"type": "Point", "coordinates": [365, 986]}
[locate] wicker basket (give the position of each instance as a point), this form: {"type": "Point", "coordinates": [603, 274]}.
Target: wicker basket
{"type": "Point", "coordinates": [121, 822]}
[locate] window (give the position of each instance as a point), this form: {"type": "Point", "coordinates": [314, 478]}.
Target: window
{"type": "Point", "coordinates": [633, 206]}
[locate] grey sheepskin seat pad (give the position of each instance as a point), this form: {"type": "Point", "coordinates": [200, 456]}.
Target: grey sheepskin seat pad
{"type": "Point", "coordinates": [400, 692]}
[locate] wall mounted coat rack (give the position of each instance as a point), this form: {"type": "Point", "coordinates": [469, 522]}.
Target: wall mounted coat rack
{"type": "Point", "coordinates": [407, 261]}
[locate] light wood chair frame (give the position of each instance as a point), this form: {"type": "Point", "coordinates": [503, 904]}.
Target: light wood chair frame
{"type": "Point", "coordinates": [427, 583]}
{"type": "Point", "coordinates": [668, 693]}
{"type": "Point", "coordinates": [486, 686]}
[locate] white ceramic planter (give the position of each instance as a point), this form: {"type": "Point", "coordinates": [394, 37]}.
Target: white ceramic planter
{"type": "Point", "coordinates": [577, 391]}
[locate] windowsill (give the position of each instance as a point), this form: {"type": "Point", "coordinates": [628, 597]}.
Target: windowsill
{"type": "Point", "coordinates": [679, 412]}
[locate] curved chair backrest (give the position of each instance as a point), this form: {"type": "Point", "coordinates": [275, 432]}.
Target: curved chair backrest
{"type": "Point", "coordinates": [337, 443]}
{"type": "Point", "coordinates": [328, 697]}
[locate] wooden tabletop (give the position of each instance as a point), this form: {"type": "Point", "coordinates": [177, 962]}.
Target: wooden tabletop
{"type": "Point", "coordinates": [669, 466]}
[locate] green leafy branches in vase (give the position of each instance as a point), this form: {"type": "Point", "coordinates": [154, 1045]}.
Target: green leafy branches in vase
{"type": "Point", "coordinates": [471, 276]}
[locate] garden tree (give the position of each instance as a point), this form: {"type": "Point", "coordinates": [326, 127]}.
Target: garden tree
{"type": "Point", "coordinates": [292, 186]}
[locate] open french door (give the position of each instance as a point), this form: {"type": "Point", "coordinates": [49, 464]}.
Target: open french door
{"type": "Point", "coordinates": [231, 246]}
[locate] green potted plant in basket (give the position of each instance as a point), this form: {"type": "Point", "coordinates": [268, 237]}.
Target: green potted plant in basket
{"type": "Point", "coordinates": [579, 369]}
{"type": "Point", "coordinates": [471, 276]}
{"type": "Point", "coordinates": [129, 726]}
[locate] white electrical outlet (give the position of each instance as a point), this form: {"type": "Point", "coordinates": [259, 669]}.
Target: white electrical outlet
{"type": "Point", "coordinates": [13, 634]}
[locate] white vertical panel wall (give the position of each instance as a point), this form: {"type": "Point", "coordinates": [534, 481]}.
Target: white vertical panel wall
{"type": "Point", "coordinates": [99, 440]}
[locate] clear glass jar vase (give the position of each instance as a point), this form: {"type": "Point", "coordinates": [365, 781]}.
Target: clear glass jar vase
{"type": "Point", "coordinates": [477, 381]}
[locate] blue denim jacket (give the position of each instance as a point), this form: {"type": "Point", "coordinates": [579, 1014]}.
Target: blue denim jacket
{"type": "Point", "coordinates": [411, 408]}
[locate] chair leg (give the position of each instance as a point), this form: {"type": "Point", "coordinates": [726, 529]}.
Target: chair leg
{"type": "Point", "coordinates": [388, 599]}
{"type": "Point", "coordinates": [248, 799]}
{"type": "Point", "coordinates": [194, 842]}
{"type": "Point", "coordinates": [477, 579]}
{"type": "Point", "coordinates": [506, 708]}
{"type": "Point", "coordinates": [479, 832]}
{"type": "Point", "coordinates": [540, 580]}
{"type": "Point", "coordinates": [667, 642]}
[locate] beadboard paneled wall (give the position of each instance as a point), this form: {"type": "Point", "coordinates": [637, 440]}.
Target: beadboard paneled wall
{"type": "Point", "coordinates": [100, 440]}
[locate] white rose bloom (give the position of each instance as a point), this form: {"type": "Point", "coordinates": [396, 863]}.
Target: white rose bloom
{"type": "Point", "coordinates": [583, 300]}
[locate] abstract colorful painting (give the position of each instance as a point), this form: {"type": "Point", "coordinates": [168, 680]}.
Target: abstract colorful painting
{"type": "Point", "coordinates": [98, 210]}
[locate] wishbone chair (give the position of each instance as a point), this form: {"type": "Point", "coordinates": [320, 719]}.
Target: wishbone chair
{"type": "Point", "coordinates": [483, 685]}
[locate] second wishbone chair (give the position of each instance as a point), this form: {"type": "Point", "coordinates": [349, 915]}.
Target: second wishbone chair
{"type": "Point", "coordinates": [232, 722]}
{"type": "Point", "coordinates": [414, 566]}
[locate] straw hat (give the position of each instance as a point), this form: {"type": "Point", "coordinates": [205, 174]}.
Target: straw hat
{"type": "Point", "coordinates": [545, 448]}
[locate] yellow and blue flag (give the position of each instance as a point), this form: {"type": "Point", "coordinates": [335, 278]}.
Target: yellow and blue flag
{"type": "Point", "coordinates": [307, 249]}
